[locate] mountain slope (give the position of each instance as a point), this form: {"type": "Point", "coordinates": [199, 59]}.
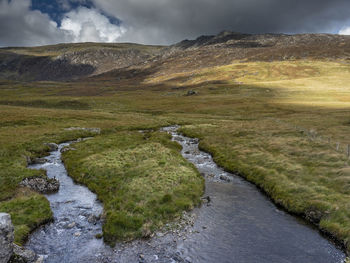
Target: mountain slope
{"type": "Point", "coordinates": [70, 61]}
{"type": "Point", "coordinates": [74, 61]}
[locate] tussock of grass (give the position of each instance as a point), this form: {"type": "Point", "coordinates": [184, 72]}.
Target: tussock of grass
{"type": "Point", "coordinates": [142, 180]}
{"type": "Point", "coordinates": [28, 211]}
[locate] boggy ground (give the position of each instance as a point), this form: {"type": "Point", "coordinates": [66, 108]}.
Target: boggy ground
{"type": "Point", "coordinates": [262, 119]}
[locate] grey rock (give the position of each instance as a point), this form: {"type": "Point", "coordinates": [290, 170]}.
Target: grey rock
{"type": "Point", "coordinates": [71, 225]}
{"type": "Point", "coordinates": [92, 219]}
{"type": "Point", "coordinates": [24, 254]}
{"type": "Point", "coordinates": [66, 149]}
{"type": "Point", "coordinates": [225, 178]}
{"type": "Point", "coordinates": [314, 216]}
{"type": "Point", "coordinates": [146, 233]}
{"type": "Point", "coordinates": [39, 160]}
{"type": "Point", "coordinates": [40, 259]}
{"type": "Point", "coordinates": [191, 93]}
{"type": "Point", "coordinates": [179, 139]}
{"type": "Point", "coordinates": [41, 185]}
{"type": "Point", "coordinates": [6, 237]}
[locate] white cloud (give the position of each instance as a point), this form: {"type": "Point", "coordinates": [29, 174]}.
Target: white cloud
{"type": "Point", "coordinates": [345, 31]}
{"type": "Point", "coordinates": [88, 25]}
{"type": "Point", "coordinates": [21, 26]}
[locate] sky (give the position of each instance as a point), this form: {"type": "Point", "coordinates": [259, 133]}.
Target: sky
{"type": "Point", "coordinates": [43, 22]}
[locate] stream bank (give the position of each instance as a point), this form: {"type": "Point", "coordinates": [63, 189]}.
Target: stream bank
{"type": "Point", "coordinates": [236, 223]}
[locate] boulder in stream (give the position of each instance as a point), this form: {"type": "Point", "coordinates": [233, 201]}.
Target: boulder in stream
{"type": "Point", "coordinates": [41, 184]}
{"type": "Point", "coordinates": [39, 161]}
{"type": "Point", "coordinates": [23, 255]}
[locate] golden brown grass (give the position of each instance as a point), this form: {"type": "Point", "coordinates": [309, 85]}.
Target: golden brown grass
{"type": "Point", "coordinates": [255, 117]}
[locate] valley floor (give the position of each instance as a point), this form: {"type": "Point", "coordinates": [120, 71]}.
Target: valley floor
{"type": "Point", "coordinates": [282, 125]}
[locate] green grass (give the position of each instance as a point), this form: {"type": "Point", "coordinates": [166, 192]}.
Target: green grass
{"type": "Point", "coordinates": [235, 114]}
{"type": "Point", "coordinates": [28, 211]}
{"type": "Point", "coordinates": [142, 180]}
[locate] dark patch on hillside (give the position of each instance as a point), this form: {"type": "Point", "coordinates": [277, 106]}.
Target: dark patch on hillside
{"type": "Point", "coordinates": [36, 68]}
{"type": "Point", "coordinates": [70, 61]}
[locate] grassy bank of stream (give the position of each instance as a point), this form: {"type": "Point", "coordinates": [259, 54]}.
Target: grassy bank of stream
{"type": "Point", "coordinates": [246, 114]}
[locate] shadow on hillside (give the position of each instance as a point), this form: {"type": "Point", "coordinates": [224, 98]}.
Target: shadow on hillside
{"type": "Point", "coordinates": [40, 68]}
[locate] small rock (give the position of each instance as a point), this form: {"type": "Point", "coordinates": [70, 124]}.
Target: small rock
{"type": "Point", "coordinates": [66, 149]}
{"type": "Point", "coordinates": [39, 160]}
{"type": "Point", "coordinates": [146, 233]}
{"type": "Point", "coordinates": [314, 216]}
{"type": "Point", "coordinates": [160, 234]}
{"type": "Point", "coordinates": [40, 259]}
{"type": "Point", "coordinates": [77, 234]}
{"type": "Point", "coordinates": [207, 198]}
{"type": "Point", "coordinates": [71, 225]}
{"type": "Point", "coordinates": [191, 93]}
{"type": "Point", "coordinates": [225, 178]}
{"type": "Point", "coordinates": [178, 138]}
{"type": "Point", "coordinates": [93, 219]}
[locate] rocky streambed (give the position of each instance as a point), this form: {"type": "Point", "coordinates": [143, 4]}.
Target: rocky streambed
{"type": "Point", "coordinates": [236, 223]}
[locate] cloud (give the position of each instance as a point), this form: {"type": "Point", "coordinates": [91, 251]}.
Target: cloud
{"type": "Point", "coordinates": [21, 26]}
{"type": "Point", "coordinates": [163, 21]}
{"type": "Point", "coordinates": [169, 21]}
{"type": "Point", "coordinates": [88, 25]}
{"type": "Point", "coordinates": [345, 31]}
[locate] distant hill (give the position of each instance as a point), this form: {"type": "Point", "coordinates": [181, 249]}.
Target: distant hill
{"type": "Point", "coordinates": [74, 61]}
{"type": "Point", "coordinates": [70, 61]}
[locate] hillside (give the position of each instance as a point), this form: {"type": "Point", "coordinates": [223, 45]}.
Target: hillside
{"type": "Point", "coordinates": [70, 61]}
{"type": "Point", "coordinates": [74, 61]}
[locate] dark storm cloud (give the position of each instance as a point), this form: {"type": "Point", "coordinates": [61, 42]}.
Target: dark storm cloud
{"type": "Point", "coordinates": [167, 21]}
{"type": "Point", "coordinates": [23, 22]}
{"type": "Point", "coordinates": [20, 26]}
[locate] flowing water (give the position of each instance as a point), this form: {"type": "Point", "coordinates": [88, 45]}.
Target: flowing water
{"type": "Point", "coordinates": [71, 235]}
{"type": "Point", "coordinates": [242, 225]}
{"type": "Point", "coordinates": [239, 224]}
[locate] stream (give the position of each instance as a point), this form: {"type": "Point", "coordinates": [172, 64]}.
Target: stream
{"type": "Point", "coordinates": [239, 224]}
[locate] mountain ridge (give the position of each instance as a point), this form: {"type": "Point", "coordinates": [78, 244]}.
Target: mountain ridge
{"type": "Point", "coordinates": [65, 62]}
